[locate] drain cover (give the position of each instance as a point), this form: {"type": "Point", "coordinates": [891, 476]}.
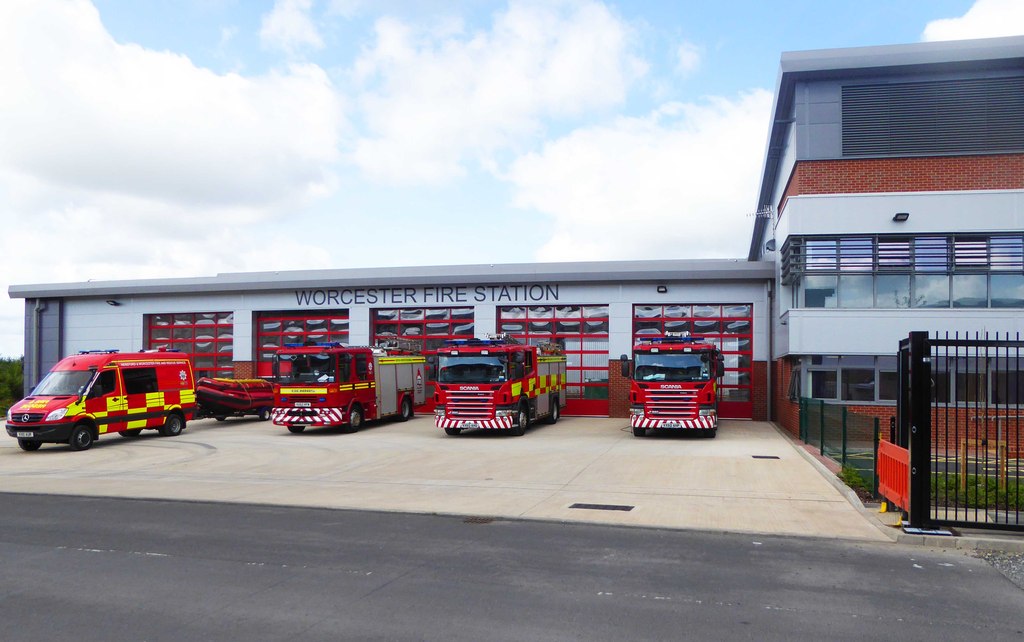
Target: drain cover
{"type": "Point", "coordinates": [603, 507]}
{"type": "Point", "coordinates": [478, 520]}
{"type": "Point", "coordinates": [764, 456]}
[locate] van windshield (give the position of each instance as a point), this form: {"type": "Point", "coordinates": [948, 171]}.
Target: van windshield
{"type": "Point", "coordinates": [61, 383]}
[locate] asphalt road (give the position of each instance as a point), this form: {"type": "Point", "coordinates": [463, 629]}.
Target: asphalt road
{"type": "Point", "coordinates": [115, 569]}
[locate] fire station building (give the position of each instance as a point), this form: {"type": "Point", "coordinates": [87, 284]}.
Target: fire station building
{"type": "Point", "coordinates": [231, 324]}
{"type": "Point", "coordinates": [891, 200]}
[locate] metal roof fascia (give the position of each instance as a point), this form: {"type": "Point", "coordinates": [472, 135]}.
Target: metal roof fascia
{"type": "Point", "coordinates": [678, 270]}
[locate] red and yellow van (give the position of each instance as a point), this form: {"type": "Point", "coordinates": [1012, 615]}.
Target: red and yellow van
{"type": "Point", "coordinates": [104, 391]}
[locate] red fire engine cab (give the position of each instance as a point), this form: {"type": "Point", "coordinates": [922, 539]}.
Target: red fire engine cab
{"type": "Point", "coordinates": [497, 383]}
{"type": "Point", "coordinates": [331, 384]}
{"type": "Point", "coordinates": [673, 384]}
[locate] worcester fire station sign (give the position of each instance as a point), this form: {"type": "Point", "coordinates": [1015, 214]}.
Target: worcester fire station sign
{"type": "Point", "coordinates": [429, 295]}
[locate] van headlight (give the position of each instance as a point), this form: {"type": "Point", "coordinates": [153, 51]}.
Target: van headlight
{"type": "Point", "coordinates": [9, 417]}
{"type": "Point", "coordinates": [57, 414]}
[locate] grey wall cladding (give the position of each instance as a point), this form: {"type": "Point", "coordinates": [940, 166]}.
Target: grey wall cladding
{"type": "Point", "coordinates": [975, 116]}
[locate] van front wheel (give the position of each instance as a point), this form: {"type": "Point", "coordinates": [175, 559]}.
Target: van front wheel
{"type": "Point", "coordinates": [81, 438]}
{"type": "Point", "coordinates": [28, 445]}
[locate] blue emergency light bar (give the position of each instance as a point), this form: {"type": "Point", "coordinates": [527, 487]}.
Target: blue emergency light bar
{"type": "Point", "coordinates": [325, 344]}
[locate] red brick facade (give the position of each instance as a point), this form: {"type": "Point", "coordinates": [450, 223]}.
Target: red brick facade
{"type": "Point", "coordinates": [917, 174]}
{"type": "Point", "coordinates": [245, 369]}
{"type": "Point", "coordinates": [618, 390]}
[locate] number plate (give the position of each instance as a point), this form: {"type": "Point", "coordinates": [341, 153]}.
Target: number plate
{"type": "Point", "coordinates": [26, 435]}
{"type": "Point", "coordinates": [672, 424]}
{"type": "Point", "coordinates": [470, 424]}
{"type": "Point", "coordinates": [303, 404]}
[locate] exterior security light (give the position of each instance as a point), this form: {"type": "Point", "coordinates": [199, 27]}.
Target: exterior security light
{"type": "Point", "coordinates": [770, 245]}
{"type": "Point", "coordinates": [113, 302]}
{"type": "Point", "coordinates": [662, 289]}
{"type": "Point", "coordinates": [900, 217]}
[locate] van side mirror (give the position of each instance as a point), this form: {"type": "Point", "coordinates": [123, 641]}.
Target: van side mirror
{"type": "Point", "coordinates": [624, 364]}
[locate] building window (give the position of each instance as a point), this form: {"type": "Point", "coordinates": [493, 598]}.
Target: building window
{"type": "Point", "coordinates": [205, 337]}
{"type": "Point", "coordinates": [729, 326]}
{"type": "Point", "coordinates": [852, 378]}
{"type": "Point", "coordinates": [277, 329]}
{"type": "Point", "coordinates": [429, 327]}
{"type": "Point", "coordinates": [954, 271]}
{"type": "Point", "coordinates": [582, 331]}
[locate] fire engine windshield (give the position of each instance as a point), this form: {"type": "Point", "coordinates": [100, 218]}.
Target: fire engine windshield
{"type": "Point", "coordinates": [305, 368]}
{"type": "Point", "coordinates": [471, 368]}
{"type": "Point", "coordinates": [668, 366]}
{"type": "Point", "coordinates": [62, 383]}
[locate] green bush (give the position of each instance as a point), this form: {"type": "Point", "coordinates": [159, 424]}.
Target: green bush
{"type": "Point", "coordinates": [11, 381]}
{"type": "Point", "coordinates": [981, 492]}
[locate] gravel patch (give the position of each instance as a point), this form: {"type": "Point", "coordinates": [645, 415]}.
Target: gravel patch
{"type": "Point", "coordinates": [1009, 564]}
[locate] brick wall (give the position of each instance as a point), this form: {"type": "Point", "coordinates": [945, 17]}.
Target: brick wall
{"type": "Point", "coordinates": [918, 174]}
{"type": "Point", "coordinates": [786, 413]}
{"type": "Point", "coordinates": [759, 385]}
{"type": "Point", "coordinates": [244, 369]}
{"type": "Point", "coordinates": [618, 390]}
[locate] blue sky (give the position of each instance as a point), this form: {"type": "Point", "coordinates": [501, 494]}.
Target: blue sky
{"type": "Point", "coordinates": [175, 138]}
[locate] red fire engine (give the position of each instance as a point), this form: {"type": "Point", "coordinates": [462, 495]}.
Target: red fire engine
{"type": "Point", "coordinates": [497, 383]}
{"type": "Point", "coordinates": [330, 384]}
{"type": "Point", "coordinates": [673, 384]}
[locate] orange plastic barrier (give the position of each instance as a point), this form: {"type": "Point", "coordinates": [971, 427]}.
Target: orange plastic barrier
{"type": "Point", "coordinates": [894, 474]}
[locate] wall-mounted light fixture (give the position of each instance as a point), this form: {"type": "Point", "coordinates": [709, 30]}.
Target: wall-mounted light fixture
{"type": "Point", "coordinates": [769, 246]}
{"type": "Point", "coordinates": [113, 302]}
{"type": "Point", "coordinates": [662, 289]}
{"type": "Point", "coordinates": [900, 217]}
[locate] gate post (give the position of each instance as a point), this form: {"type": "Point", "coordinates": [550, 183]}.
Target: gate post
{"type": "Point", "coordinates": [920, 429]}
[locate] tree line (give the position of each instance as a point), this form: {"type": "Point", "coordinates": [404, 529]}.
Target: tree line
{"type": "Point", "coordinates": [12, 381]}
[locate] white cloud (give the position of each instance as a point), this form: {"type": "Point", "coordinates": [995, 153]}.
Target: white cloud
{"type": "Point", "coordinates": [985, 19]}
{"type": "Point", "coordinates": [675, 184]}
{"type": "Point", "coordinates": [687, 58]}
{"type": "Point", "coordinates": [437, 101]}
{"type": "Point", "coordinates": [290, 28]}
{"type": "Point", "coordinates": [122, 162]}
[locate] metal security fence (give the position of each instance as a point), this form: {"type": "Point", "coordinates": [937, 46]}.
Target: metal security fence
{"type": "Point", "coordinates": [959, 417]}
{"type": "Point", "coordinates": [849, 438]}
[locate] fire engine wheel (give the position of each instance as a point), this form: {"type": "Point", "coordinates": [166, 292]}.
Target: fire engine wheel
{"type": "Point", "coordinates": [28, 445]}
{"type": "Point", "coordinates": [131, 434]}
{"type": "Point", "coordinates": [355, 418]}
{"type": "Point", "coordinates": [296, 429]}
{"type": "Point", "coordinates": [406, 413]}
{"type": "Point", "coordinates": [264, 414]}
{"type": "Point", "coordinates": [556, 411]}
{"type": "Point", "coordinates": [221, 417]}
{"type": "Point", "coordinates": [173, 425]}
{"type": "Point", "coordinates": [453, 432]}
{"type": "Point", "coordinates": [639, 432]}
{"type": "Point", "coordinates": [81, 438]}
{"type": "Point", "coordinates": [522, 421]}
{"type": "Point", "coordinates": [710, 433]}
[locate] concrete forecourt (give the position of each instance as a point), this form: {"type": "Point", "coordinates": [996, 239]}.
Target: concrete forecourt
{"type": "Point", "coordinates": [730, 483]}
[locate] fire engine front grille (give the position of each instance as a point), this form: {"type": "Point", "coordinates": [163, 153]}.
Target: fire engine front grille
{"type": "Point", "coordinates": [671, 404]}
{"type": "Point", "coordinates": [470, 404]}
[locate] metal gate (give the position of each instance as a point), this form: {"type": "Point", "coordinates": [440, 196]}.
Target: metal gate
{"type": "Point", "coordinates": [959, 419]}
